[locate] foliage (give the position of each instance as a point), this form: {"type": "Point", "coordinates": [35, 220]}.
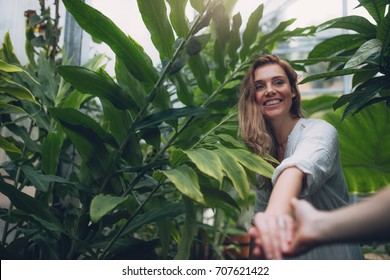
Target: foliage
{"type": "Point", "coordinates": [364, 52]}
{"type": "Point", "coordinates": [128, 162]}
{"type": "Point", "coordinates": [362, 142]}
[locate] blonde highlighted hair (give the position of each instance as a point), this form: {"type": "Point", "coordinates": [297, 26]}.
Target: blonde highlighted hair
{"type": "Point", "coordinates": [254, 128]}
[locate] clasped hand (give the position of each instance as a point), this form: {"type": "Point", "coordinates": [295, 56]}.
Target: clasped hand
{"type": "Point", "coordinates": [278, 235]}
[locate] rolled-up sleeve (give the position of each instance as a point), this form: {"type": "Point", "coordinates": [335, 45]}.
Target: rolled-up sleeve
{"type": "Point", "coordinates": [316, 154]}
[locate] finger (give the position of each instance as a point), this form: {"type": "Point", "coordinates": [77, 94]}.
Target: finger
{"type": "Point", "coordinates": [262, 224]}
{"type": "Point", "coordinates": [287, 233]}
{"type": "Point", "coordinates": [274, 248]}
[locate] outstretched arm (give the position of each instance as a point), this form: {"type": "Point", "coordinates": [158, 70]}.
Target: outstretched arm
{"type": "Point", "coordinates": [273, 228]}
{"type": "Point", "coordinates": [368, 220]}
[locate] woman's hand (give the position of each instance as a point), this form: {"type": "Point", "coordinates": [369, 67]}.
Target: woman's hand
{"type": "Point", "coordinates": [272, 234]}
{"type": "Point", "coordinates": [307, 227]}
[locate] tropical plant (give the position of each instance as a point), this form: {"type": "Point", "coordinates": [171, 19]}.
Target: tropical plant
{"type": "Point", "coordinates": [363, 52]}
{"type": "Point", "coordinates": [145, 152]}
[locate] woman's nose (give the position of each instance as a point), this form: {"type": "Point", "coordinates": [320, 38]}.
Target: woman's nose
{"type": "Point", "coordinates": [269, 91]}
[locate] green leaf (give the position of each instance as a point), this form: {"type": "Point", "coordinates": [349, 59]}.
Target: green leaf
{"type": "Point", "coordinates": [9, 146]}
{"type": "Point", "coordinates": [21, 131]}
{"type": "Point", "coordinates": [383, 33]}
{"type": "Point", "coordinates": [185, 180]}
{"type": "Point", "coordinates": [201, 71]}
{"type": "Point", "coordinates": [235, 40]}
{"type": "Point", "coordinates": [118, 122]}
{"type": "Point", "coordinates": [178, 17]}
{"type": "Point", "coordinates": [375, 8]}
{"type": "Point", "coordinates": [51, 148]}
{"type": "Point", "coordinates": [154, 15]}
{"type": "Point", "coordinates": [129, 84]}
{"type": "Point", "coordinates": [207, 162]}
{"type": "Point", "coordinates": [188, 231]}
{"type": "Point", "coordinates": [251, 30]}
{"type": "Point", "coordinates": [370, 48]}
{"type": "Point", "coordinates": [156, 119]}
{"type": "Point", "coordinates": [103, 204]}
{"type": "Point", "coordinates": [16, 90]}
{"type": "Point", "coordinates": [358, 24]}
{"type": "Point", "coordinates": [320, 59]}
{"type": "Point", "coordinates": [87, 81]}
{"type": "Point", "coordinates": [183, 89]}
{"type": "Point", "coordinates": [251, 161]}
{"type": "Point", "coordinates": [364, 93]}
{"type": "Point", "coordinates": [320, 104]}
{"type": "Point", "coordinates": [215, 198]}
{"type": "Point", "coordinates": [170, 210]}
{"type": "Point", "coordinates": [365, 163]}
{"type": "Point", "coordinates": [336, 44]}
{"type": "Point", "coordinates": [235, 172]}
{"type": "Point", "coordinates": [27, 203]}
{"type": "Point", "coordinates": [74, 118]}
{"type": "Point", "coordinates": [8, 50]}
{"type": "Point", "coordinates": [40, 181]}
{"type": "Point", "coordinates": [88, 138]}
{"type": "Point", "coordinates": [229, 141]}
{"type": "Point", "coordinates": [136, 61]}
{"type": "Point", "coordinates": [272, 38]}
{"type": "Point", "coordinates": [6, 108]}
{"type": "Point", "coordinates": [47, 79]}
{"type": "Point", "coordinates": [10, 68]}
{"type": "Point", "coordinates": [333, 74]}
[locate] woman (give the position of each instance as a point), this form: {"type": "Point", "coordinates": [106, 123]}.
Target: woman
{"type": "Point", "coordinates": [271, 122]}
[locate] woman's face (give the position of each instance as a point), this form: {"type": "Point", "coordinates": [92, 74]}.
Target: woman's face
{"type": "Point", "coordinates": [273, 91]}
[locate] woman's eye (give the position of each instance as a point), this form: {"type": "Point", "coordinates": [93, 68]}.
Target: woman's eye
{"type": "Point", "coordinates": [279, 82]}
{"type": "Point", "coordinates": [259, 87]}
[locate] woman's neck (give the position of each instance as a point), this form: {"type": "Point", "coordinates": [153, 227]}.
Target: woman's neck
{"type": "Point", "coordinates": [282, 128]}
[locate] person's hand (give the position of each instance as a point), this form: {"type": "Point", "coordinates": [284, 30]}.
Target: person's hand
{"type": "Point", "coordinates": [272, 234]}
{"type": "Point", "coordinates": [306, 228]}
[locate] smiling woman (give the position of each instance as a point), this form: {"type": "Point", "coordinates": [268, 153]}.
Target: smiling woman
{"type": "Point", "coordinates": [271, 122]}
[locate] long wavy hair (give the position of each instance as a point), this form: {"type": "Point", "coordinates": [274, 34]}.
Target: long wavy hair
{"type": "Point", "coordinates": [254, 128]}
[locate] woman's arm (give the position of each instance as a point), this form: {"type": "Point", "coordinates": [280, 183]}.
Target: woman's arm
{"type": "Point", "coordinates": [273, 228]}
{"type": "Point", "coordinates": [368, 220]}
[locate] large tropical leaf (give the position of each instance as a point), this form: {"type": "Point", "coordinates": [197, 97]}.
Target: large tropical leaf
{"type": "Point", "coordinates": [87, 81]}
{"type": "Point", "coordinates": [9, 146]}
{"type": "Point", "coordinates": [156, 119]}
{"type": "Point", "coordinates": [383, 33]}
{"type": "Point", "coordinates": [251, 30]}
{"type": "Point", "coordinates": [337, 44]}
{"type": "Point", "coordinates": [10, 68]}
{"type": "Point", "coordinates": [371, 48]}
{"type": "Point", "coordinates": [188, 231]}
{"type": "Point", "coordinates": [235, 172]}
{"type": "Point", "coordinates": [376, 8]}
{"type": "Point", "coordinates": [178, 17]}
{"type": "Point", "coordinates": [16, 90]}
{"type": "Point", "coordinates": [186, 181]}
{"type": "Point", "coordinates": [358, 24]}
{"type": "Point", "coordinates": [336, 73]}
{"type": "Point", "coordinates": [27, 204]}
{"type": "Point", "coordinates": [251, 161]}
{"type": "Point", "coordinates": [102, 28]}
{"type": "Point", "coordinates": [207, 162]}
{"type": "Point", "coordinates": [154, 15]}
{"type": "Point", "coordinates": [103, 204]}
{"type": "Point", "coordinates": [364, 143]}
{"type": "Point", "coordinates": [51, 148]}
